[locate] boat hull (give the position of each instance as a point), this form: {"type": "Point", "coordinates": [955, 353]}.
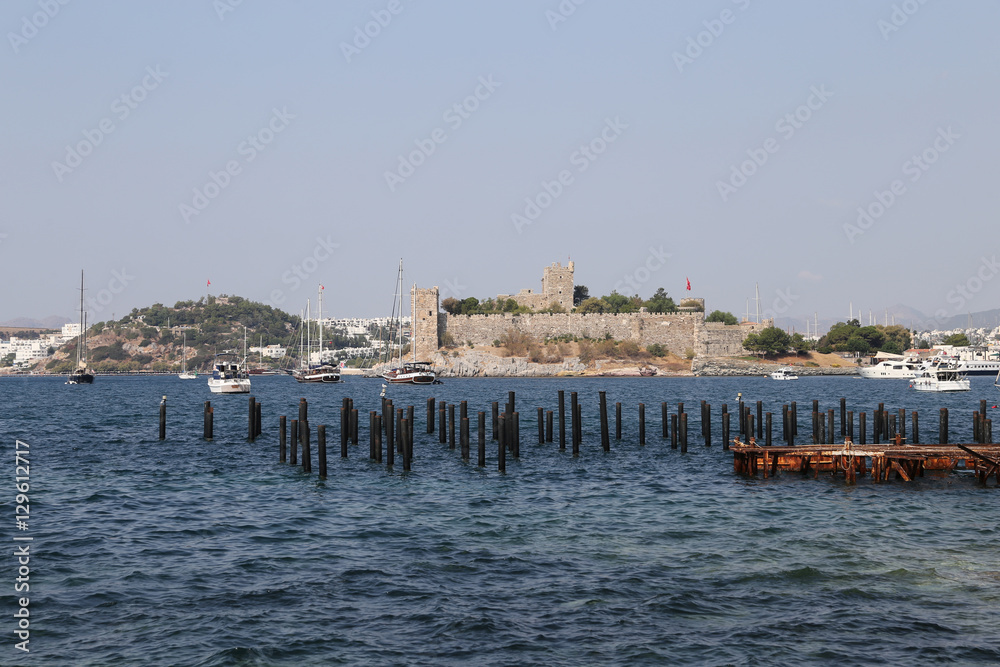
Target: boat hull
{"type": "Point", "coordinates": [80, 378]}
{"type": "Point", "coordinates": [237, 386]}
{"type": "Point", "coordinates": [410, 378]}
{"type": "Point", "coordinates": [943, 386]}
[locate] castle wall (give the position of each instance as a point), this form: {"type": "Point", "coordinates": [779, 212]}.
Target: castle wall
{"type": "Point", "coordinates": [678, 332]}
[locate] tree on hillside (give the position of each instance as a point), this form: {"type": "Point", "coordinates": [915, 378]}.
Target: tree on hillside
{"type": "Point", "coordinates": [720, 316]}
{"type": "Point", "coordinates": [958, 340]}
{"type": "Point", "coordinates": [580, 294]}
{"type": "Point", "coordinates": [619, 303]}
{"type": "Point", "coordinates": [451, 305]}
{"type": "Point", "coordinates": [800, 344]}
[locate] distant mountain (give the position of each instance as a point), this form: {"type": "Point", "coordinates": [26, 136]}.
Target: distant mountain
{"type": "Point", "coordinates": [911, 318]}
{"type": "Point", "coordinates": [51, 322]}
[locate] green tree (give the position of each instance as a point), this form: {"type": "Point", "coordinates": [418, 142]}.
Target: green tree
{"type": "Point", "coordinates": [800, 344]}
{"type": "Point", "coordinates": [660, 302]}
{"type": "Point", "coordinates": [580, 294]}
{"type": "Point", "coordinates": [720, 316]}
{"type": "Point", "coordinates": [958, 340]}
{"type": "Point", "coordinates": [592, 305]}
{"type": "Point", "coordinates": [618, 303]}
{"type": "Point", "coordinates": [470, 306]}
{"type": "Point", "coordinates": [451, 305]}
{"type": "Point", "coordinates": [769, 341]}
{"type": "Point", "coordinates": [857, 344]}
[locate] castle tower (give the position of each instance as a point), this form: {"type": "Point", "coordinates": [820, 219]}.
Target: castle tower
{"type": "Point", "coordinates": [557, 285]}
{"type": "Point", "coordinates": [424, 316]}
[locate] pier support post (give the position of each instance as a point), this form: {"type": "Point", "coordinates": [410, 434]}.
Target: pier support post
{"type": "Point", "coordinates": [282, 439]}
{"type": "Point", "coordinates": [665, 421]}
{"type": "Point", "coordinates": [451, 426]}
{"type": "Point", "coordinates": [725, 431]}
{"type": "Point", "coordinates": [540, 413]}
{"type": "Point", "coordinates": [707, 424]}
{"type": "Point", "coordinates": [501, 443]}
{"type": "Point", "coordinates": [378, 438]}
{"type": "Point", "coordinates": [943, 427]}
{"type": "Point", "coordinates": [843, 417]}
{"type": "Point", "coordinates": [430, 415]}
{"type": "Point", "coordinates": [321, 450]}
{"type": "Point", "coordinates": [294, 448]}
{"type": "Point", "coordinates": [673, 431]}
{"type": "Point", "coordinates": [914, 428]}
{"type": "Point", "coordinates": [548, 426]}
{"type": "Point", "coordinates": [562, 420]}
{"type": "Point", "coordinates": [684, 432]}
{"type": "Point", "coordinates": [482, 439]}
{"type": "Point", "coordinates": [464, 437]}
{"type": "Point", "coordinates": [642, 423]}
{"type": "Point", "coordinates": [767, 430]}
{"type": "Point", "coordinates": [605, 436]}
{"type": "Point", "coordinates": [209, 418]}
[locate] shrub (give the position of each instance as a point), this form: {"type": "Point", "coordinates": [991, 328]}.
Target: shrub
{"type": "Point", "coordinates": [689, 353]}
{"type": "Point", "coordinates": [657, 350]}
{"type": "Point", "coordinates": [516, 343]}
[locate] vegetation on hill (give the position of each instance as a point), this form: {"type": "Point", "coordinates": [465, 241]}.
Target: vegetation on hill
{"type": "Point", "coordinates": [852, 337]}
{"type": "Point", "coordinates": [613, 303]}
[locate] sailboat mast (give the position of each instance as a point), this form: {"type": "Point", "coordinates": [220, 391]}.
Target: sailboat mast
{"type": "Point", "coordinates": [319, 323]}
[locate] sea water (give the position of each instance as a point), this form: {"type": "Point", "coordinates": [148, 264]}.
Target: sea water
{"type": "Point", "coordinates": [187, 552]}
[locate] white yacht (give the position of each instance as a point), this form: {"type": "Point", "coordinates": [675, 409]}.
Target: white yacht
{"type": "Point", "coordinates": [892, 369]}
{"type": "Point", "coordinates": [784, 373]}
{"type": "Point", "coordinates": [229, 374]}
{"type": "Point", "coordinates": [941, 376]}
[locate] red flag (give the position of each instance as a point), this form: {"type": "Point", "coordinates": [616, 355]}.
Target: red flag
{"type": "Point", "coordinates": [689, 283]}
{"type": "Point", "coordinates": [321, 287]}
{"type": "Point", "coordinates": [209, 283]}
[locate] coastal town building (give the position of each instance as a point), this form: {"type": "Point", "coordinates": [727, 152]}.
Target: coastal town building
{"type": "Point", "coordinates": [557, 288]}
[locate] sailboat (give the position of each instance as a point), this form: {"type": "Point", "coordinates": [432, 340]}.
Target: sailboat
{"type": "Point", "coordinates": [81, 374]}
{"type": "Point", "coordinates": [410, 372]}
{"type": "Point", "coordinates": [321, 373]}
{"type": "Point", "coordinates": [184, 374]}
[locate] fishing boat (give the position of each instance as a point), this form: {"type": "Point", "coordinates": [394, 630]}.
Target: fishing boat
{"type": "Point", "coordinates": [942, 376]}
{"type": "Point", "coordinates": [408, 372]}
{"type": "Point", "coordinates": [229, 372]}
{"type": "Point", "coordinates": [185, 374]}
{"type": "Point", "coordinates": [784, 373]}
{"type": "Point", "coordinates": [81, 374]}
{"type": "Point", "coordinates": [319, 373]}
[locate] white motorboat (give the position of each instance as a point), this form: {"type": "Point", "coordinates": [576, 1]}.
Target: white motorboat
{"type": "Point", "coordinates": [784, 373]}
{"type": "Point", "coordinates": [942, 376]}
{"type": "Point", "coordinates": [229, 374]}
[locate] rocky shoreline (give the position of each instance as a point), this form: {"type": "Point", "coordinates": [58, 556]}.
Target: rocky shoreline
{"type": "Point", "coordinates": [729, 367]}
{"type": "Point", "coordinates": [473, 363]}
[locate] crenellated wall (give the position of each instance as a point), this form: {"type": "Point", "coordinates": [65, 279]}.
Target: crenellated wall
{"type": "Point", "coordinates": [678, 332]}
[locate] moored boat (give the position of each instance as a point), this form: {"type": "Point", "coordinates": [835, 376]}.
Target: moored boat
{"type": "Point", "coordinates": [81, 374]}
{"type": "Point", "coordinates": [784, 373]}
{"type": "Point", "coordinates": [941, 376]}
{"type": "Point", "coordinates": [410, 372]}
{"type": "Point", "coordinates": [229, 375]}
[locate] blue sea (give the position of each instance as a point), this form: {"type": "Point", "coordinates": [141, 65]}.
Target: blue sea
{"type": "Point", "coordinates": [189, 552]}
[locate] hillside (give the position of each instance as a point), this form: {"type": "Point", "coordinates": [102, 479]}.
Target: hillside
{"type": "Point", "coordinates": [152, 338]}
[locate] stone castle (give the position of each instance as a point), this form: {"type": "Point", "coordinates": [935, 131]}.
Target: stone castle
{"type": "Point", "coordinates": [557, 288]}
{"type": "Point", "coordinates": [680, 332]}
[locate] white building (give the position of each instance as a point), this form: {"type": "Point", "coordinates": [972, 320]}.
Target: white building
{"type": "Point", "coordinates": [269, 351]}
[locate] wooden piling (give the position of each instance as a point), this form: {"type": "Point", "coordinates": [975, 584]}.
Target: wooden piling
{"type": "Point", "coordinates": [207, 430]}
{"type": "Point", "coordinates": [344, 427]}
{"type": "Point", "coordinates": [767, 430]}
{"type": "Point", "coordinates": [642, 423]}
{"type": "Point", "coordinates": [943, 427]}
{"type": "Point", "coordinates": [548, 426]}
{"type": "Point", "coordinates": [399, 431]}
{"type": "Point", "coordinates": [843, 417]}
{"type": "Point", "coordinates": [517, 435]}
{"type": "Point", "coordinates": [390, 441]}
{"type": "Point", "coordinates": [540, 416]}
{"type": "Point", "coordinates": [464, 438]}
{"type": "Point", "coordinates": [760, 420]}
{"type": "Point", "coordinates": [725, 430]}
{"type": "Point", "coordinates": [850, 425]}
{"type": "Point", "coordinates": [443, 422]}
{"type": "Point", "coordinates": [482, 439]}
{"type": "Point", "coordinates": [862, 429]}
{"type": "Point", "coordinates": [501, 442]}
{"type": "Point", "coordinates": [409, 431]}
{"type": "Point", "coordinates": [618, 421]}
{"type": "Point", "coordinates": [784, 423]}
{"type": "Point", "coordinates": [321, 450]}
{"type": "Point", "coordinates": [914, 428]}
{"type": "Point", "coordinates": [664, 420]}
{"type": "Point", "coordinates": [707, 424]}
{"type": "Point", "coordinates": [371, 437]}
{"type": "Point", "coordinates": [407, 453]}
{"type": "Point", "coordinates": [496, 419]}
{"type": "Point", "coordinates": [378, 438]}
{"type": "Point", "coordinates": [430, 415]}
{"type": "Point", "coordinates": [451, 426]}
{"type": "Point", "coordinates": [163, 418]}
{"type": "Point", "coordinates": [258, 419]}
{"type": "Point", "coordinates": [562, 420]}
{"type": "Point", "coordinates": [605, 436]}
{"type": "Point", "coordinates": [293, 450]}
{"type": "Point", "coordinates": [251, 420]}
{"type": "Point", "coordinates": [684, 432]}
{"type": "Point", "coordinates": [306, 450]}
{"type": "Point", "coordinates": [577, 431]}
{"type": "Point", "coordinates": [830, 425]}
{"type": "Point", "coordinates": [793, 423]}
{"type": "Point", "coordinates": [282, 439]}
{"type": "Point", "coordinates": [673, 431]}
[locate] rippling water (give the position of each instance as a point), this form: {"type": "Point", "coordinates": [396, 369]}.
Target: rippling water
{"type": "Point", "coordinates": [212, 553]}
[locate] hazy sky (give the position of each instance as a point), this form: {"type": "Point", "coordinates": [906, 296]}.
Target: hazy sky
{"type": "Point", "coordinates": [269, 147]}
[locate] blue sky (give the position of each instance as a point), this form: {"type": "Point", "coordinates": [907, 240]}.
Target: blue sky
{"type": "Point", "coordinates": [259, 146]}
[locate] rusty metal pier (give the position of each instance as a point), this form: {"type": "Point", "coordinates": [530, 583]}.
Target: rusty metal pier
{"type": "Point", "coordinates": [852, 460]}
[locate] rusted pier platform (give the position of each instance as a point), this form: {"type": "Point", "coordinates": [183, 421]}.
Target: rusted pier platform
{"type": "Point", "coordinates": [907, 462]}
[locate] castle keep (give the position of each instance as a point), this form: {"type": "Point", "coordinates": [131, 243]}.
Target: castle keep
{"type": "Point", "coordinates": [678, 332]}
{"type": "Point", "coordinates": [557, 287]}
